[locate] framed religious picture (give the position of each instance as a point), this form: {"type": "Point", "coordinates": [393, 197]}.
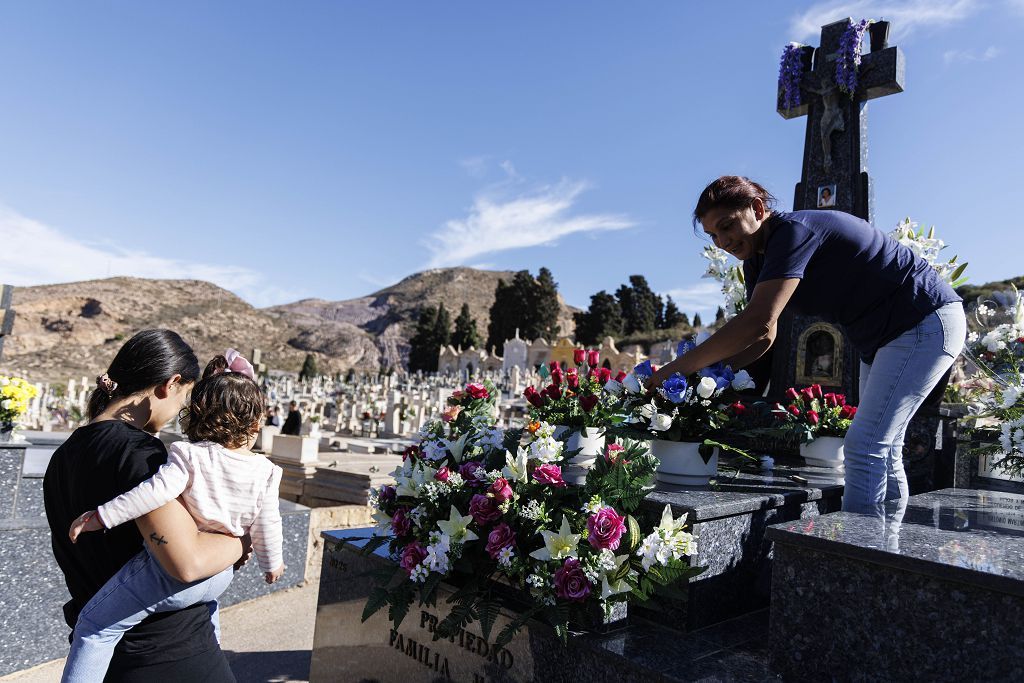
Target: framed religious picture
{"type": "Point", "coordinates": [819, 356]}
{"type": "Point", "coordinates": [826, 196]}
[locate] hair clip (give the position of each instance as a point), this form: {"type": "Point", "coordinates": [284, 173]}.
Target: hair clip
{"type": "Point", "coordinates": [108, 385]}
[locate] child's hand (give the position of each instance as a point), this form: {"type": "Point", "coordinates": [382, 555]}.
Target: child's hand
{"type": "Point", "coordinates": [89, 521]}
{"type": "Point", "coordinates": [272, 577]}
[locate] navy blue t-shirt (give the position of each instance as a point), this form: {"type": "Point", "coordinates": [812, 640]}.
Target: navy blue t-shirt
{"type": "Point", "coordinates": [851, 273]}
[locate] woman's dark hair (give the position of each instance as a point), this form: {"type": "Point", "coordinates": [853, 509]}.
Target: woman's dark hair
{"type": "Point", "coordinates": [148, 359]}
{"type": "Point", "coordinates": [731, 192]}
{"type": "Point", "coordinates": [226, 407]}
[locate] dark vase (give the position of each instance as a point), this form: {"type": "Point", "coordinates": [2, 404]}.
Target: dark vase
{"type": "Point", "coordinates": [879, 33]}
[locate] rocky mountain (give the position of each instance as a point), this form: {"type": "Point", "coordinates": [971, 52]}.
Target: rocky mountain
{"type": "Point", "coordinates": [74, 329]}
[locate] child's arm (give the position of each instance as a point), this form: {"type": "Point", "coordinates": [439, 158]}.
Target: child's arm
{"type": "Point", "coordinates": [267, 531]}
{"type": "Point", "coordinates": [163, 487]}
{"type": "Point", "coordinates": [182, 550]}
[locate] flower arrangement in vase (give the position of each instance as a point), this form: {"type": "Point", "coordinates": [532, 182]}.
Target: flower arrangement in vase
{"type": "Point", "coordinates": [467, 510]}
{"type": "Point", "coordinates": [819, 422]}
{"type": "Point", "coordinates": [15, 396]}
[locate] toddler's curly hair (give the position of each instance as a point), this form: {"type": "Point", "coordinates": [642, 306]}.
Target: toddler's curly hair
{"type": "Point", "coordinates": [226, 407]}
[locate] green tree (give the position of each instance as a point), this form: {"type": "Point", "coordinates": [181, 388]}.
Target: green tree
{"type": "Point", "coordinates": [465, 334]}
{"type": "Point", "coordinates": [545, 304]}
{"type": "Point", "coordinates": [528, 304]}
{"type": "Point", "coordinates": [423, 350]}
{"type": "Point", "coordinates": [602, 319]}
{"type": "Point", "coordinates": [696, 320]}
{"type": "Point", "coordinates": [641, 307]}
{"type": "Point", "coordinates": [308, 370]}
{"type": "Point", "coordinates": [720, 316]}
{"type": "Point", "coordinates": [673, 316]}
{"type": "Point", "coordinates": [442, 327]}
{"type": "Point", "coordinates": [684, 319]}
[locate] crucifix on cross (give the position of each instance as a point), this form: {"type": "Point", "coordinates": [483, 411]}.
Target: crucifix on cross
{"type": "Point", "coordinates": [835, 145]}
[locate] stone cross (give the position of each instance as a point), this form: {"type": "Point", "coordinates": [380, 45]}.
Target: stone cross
{"type": "Point", "coordinates": [6, 315]}
{"type": "Point", "coordinates": [835, 173]}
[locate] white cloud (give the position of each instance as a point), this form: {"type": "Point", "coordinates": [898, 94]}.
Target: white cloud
{"type": "Point", "coordinates": [474, 166]}
{"type": "Point", "coordinates": [34, 253]}
{"type": "Point", "coordinates": [701, 297]}
{"type": "Point", "coordinates": [968, 56]}
{"type": "Point", "coordinates": [906, 16]}
{"type": "Point", "coordinates": [498, 223]}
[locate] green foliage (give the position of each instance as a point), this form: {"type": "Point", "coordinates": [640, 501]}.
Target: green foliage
{"type": "Point", "coordinates": [673, 316]}
{"type": "Point", "coordinates": [697, 322]}
{"type": "Point", "coordinates": [424, 346]}
{"type": "Point", "coordinates": [528, 304]}
{"type": "Point", "coordinates": [642, 309]}
{"type": "Point", "coordinates": [309, 370]}
{"type": "Point", "coordinates": [602, 319]}
{"type": "Point", "coordinates": [465, 334]}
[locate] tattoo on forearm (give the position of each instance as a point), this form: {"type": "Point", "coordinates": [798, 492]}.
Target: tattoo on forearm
{"type": "Point", "coordinates": [157, 540]}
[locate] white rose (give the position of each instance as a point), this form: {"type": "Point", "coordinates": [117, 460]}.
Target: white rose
{"type": "Point", "coordinates": [647, 411]}
{"type": "Point", "coordinates": [661, 422]}
{"type": "Point", "coordinates": [706, 388]}
{"type": "Point", "coordinates": [6, 404]}
{"type": "Point", "coordinates": [742, 381]}
{"type": "Point", "coordinates": [632, 384]}
{"type": "Point", "coordinates": [614, 388]}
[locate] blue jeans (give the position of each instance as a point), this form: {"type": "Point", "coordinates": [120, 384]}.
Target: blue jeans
{"type": "Point", "coordinates": [892, 388]}
{"type": "Point", "coordinates": [140, 588]}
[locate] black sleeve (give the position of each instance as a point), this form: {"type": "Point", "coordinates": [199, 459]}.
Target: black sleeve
{"type": "Point", "coordinates": [140, 462]}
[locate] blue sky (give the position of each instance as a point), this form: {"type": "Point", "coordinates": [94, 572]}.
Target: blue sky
{"type": "Point", "coordinates": [288, 150]}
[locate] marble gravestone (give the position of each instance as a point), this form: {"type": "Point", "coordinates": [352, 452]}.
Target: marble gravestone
{"type": "Point", "coordinates": [835, 177]}
{"type": "Point", "coordinates": [6, 315]}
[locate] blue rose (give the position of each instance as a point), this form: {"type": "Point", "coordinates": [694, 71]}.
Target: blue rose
{"type": "Point", "coordinates": [684, 346]}
{"type": "Point", "coordinates": [674, 388]}
{"type": "Point", "coordinates": [644, 369]}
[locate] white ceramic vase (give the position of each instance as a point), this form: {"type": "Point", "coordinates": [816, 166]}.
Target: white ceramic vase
{"type": "Point", "coordinates": [825, 451]}
{"type": "Point", "coordinates": [590, 447]}
{"type": "Point", "coordinates": [681, 464]}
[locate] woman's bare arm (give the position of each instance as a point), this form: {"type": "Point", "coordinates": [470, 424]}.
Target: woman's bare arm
{"type": "Point", "coordinates": [184, 552]}
{"type": "Point", "coordinates": [746, 337]}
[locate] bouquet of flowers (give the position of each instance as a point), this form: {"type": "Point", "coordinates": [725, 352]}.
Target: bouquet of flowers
{"type": "Point", "coordinates": [731, 278]}
{"type": "Point", "coordinates": [576, 397]}
{"type": "Point", "coordinates": [682, 408]}
{"type": "Point", "coordinates": [491, 514]}
{"type": "Point", "coordinates": [811, 413]}
{"type": "Point", "coordinates": [15, 395]}
{"type": "Point", "coordinates": [928, 246]}
{"type": "Point", "coordinates": [998, 340]}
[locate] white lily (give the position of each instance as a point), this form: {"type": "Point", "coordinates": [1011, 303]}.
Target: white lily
{"type": "Point", "coordinates": [457, 527]}
{"type": "Point", "coordinates": [409, 485]}
{"type": "Point", "coordinates": [515, 466]}
{"type": "Point", "coordinates": [632, 384]}
{"type": "Point", "coordinates": [383, 527]}
{"type": "Point", "coordinates": [457, 447]}
{"type": "Point", "coordinates": [558, 545]}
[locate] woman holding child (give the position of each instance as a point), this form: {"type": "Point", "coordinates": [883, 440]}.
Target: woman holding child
{"type": "Point", "coordinates": [143, 593]}
{"type": "Point", "coordinates": [907, 323]}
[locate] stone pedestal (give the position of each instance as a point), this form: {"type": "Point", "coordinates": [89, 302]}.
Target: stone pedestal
{"type": "Point", "coordinates": [265, 439]}
{"type": "Point", "coordinates": [12, 460]}
{"type": "Point", "coordinates": [297, 449]}
{"type": "Point", "coordinates": [932, 593]}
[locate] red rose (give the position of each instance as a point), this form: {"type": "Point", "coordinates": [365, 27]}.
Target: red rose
{"type": "Point", "coordinates": [553, 392]}
{"type": "Point", "coordinates": [557, 375]}
{"type": "Point", "coordinates": [500, 490]}
{"type": "Point", "coordinates": [477, 391]}
{"type": "Point", "coordinates": [410, 452]}
{"type": "Point", "coordinates": [812, 417]}
{"type": "Point", "coordinates": [792, 394]}
{"type": "Point", "coordinates": [571, 583]}
{"type": "Point", "coordinates": [572, 378]}
{"type": "Point", "coordinates": [807, 394]}
{"type": "Point", "coordinates": [588, 403]}
{"type": "Point", "coordinates": [501, 537]}
{"type": "Point", "coordinates": [442, 474]}
{"type": "Point", "coordinates": [593, 358]}
{"type": "Point", "coordinates": [848, 412]}
{"type": "Point", "coordinates": [793, 410]}
{"type": "Point", "coordinates": [604, 375]}
{"type": "Point", "coordinates": [840, 399]}
{"type": "Point", "coordinates": [549, 474]}
{"type": "Point", "coordinates": [579, 356]}
{"type": "Point", "coordinates": [534, 397]}
{"type": "Point", "coordinates": [400, 524]}
{"type": "Point", "coordinates": [412, 556]}
{"type": "Point", "coordinates": [815, 391]}
{"type": "Point", "coordinates": [830, 400]}
{"type": "Point", "coordinates": [483, 509]}
{"type": "Point", "coordinates": [738, 408]}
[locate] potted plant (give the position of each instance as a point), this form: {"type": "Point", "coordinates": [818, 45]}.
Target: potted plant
{"type": "Point", "coordinates": [314, 426]}
{"type": "Point", "coordinates": [683, 419]}
{"type": "Point", "coordinates": [15, 396]}
{"type": "Point", "coordinates": [819, 421]}
{"type": "Point", "coordinates": [580, 408]}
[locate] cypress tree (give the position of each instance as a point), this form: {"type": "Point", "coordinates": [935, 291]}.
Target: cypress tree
{"type": "Point", "coordinates": [308, 367]}
{"type": "Point", "coordinates": [672, 315]}
{"type": "Point", "coordinates": [602, 319]}
{"type": "Point", "coordinates": [546, 308]}
{"type": "Point", "coordinates": [423, 351]}
{"type": "Point", "coordinates": [696, 320]}
{"type": "Point", "coordinates": [465, 334]}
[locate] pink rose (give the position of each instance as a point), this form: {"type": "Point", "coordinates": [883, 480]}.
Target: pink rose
{"type": "Point", "coordinates": [500, 490]}
{"type": "Point", "coordinates": [501, 537]}
{"type": "Point", "coordinates": [400, 524]}
{"type": "Point", "coordinates": [412, 556]}
{"type": "Point", "coordinates": [442, 474]}
{"type": "Point", "coordinates": [483, 509]}
{"type": "Point", "coordinates": [549, 474]}
{"type": "Point", "coordinates": [477, 390]}
{"type": "Point", "coordinates": [605, 528]}
{"type": "Point", "coordinates": [570, 582]}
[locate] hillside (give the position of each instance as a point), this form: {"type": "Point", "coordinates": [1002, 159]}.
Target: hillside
{"type": "Point", "coordinates": [74, 329]}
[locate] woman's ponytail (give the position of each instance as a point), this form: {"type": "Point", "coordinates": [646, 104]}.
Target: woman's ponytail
{"type": "Point", "coordinates": [148, 359]}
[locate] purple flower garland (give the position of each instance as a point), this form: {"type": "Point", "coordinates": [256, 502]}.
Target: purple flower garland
{"type": "Point", "coordinates": [791, 71]}
{"type": "Point", "coordinates": [849, 56]}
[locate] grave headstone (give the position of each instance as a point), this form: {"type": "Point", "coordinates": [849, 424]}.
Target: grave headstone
{"type": "Point", "coordinates": [6, 315]}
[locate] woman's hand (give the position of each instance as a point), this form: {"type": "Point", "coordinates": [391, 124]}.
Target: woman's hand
{"type": "Point", "coordinates": [87, 521]}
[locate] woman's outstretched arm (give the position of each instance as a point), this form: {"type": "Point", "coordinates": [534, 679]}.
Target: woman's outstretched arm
{"type": "Point", "coordinates": [184, 552]}
{"type": "Point", "coordinates": [744, 338]}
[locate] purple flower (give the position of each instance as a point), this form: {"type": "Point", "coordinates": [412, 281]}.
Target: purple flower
{"type": "Point", "coordinates": [400, 524]}
{"type": "Point", "coordinates": [605, 529]}
{"type": "Point", "coordinates": [570, 582]}
{"type": "Point", "coordinates": [791, 71]}
{"type": "Point", "coordinates": [501, 537]}
{"type": "Point", "coordinates": [412, 556]}
{"type": "Point", "coordinates": [468, 471]}
{"type": "Point", "coordinates": [484, 509]}
{"type": "Point", "coordinates": [848, 61]}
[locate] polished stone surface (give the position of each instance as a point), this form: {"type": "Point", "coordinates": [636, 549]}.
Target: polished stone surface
{"type": "Point", "coordinates": [347, 649]}
{"type": "Point", "coordinates": [30, 498]}
{"type": "Point", "coordinates": [11, 463]}
{"type": "Point", "coordinates": [932, 592]}
{"type": "Point", "coordinates": [953, 534]}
